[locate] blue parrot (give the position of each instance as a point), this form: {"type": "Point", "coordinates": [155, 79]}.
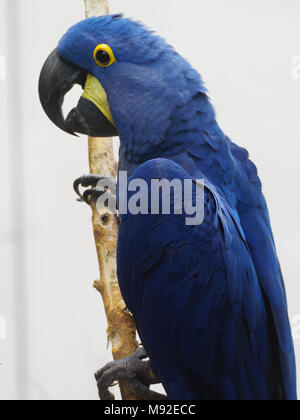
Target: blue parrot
{"type": "Point", "coordinates": [208, 300]}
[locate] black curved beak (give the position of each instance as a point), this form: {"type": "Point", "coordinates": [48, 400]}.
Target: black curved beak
{"type": "Point", "coordinates": [56, 79]}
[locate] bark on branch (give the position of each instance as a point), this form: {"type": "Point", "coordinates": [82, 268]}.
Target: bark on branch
{"type": "Point", "coordinates": [121, 328]}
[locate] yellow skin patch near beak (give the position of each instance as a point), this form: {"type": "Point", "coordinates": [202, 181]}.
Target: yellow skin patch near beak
{"type": "Point", "coordinates": [94, 92]}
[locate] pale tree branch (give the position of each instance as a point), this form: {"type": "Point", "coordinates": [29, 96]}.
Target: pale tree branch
{"type": "Point", "coordinates": [121, 328]}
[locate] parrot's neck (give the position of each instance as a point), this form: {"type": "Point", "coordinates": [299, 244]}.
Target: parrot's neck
{"type": "Point", "coordinates": [193, 132]}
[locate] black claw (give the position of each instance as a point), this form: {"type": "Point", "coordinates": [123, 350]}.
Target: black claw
{"type": "Point", "coordinates": [95, 190]}
{"type": "Point", "coordinates": [85, 181]}
{"type": "Point", "coordinates": [92, 181]}
{"type": "Point", "coordinates": [92, 195]}
{"type": "Point", "coordinates": [135, 371]}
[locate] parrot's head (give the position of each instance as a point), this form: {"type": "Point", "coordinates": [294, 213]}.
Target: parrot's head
{"type": "Point", "coordinates": [133, 82]}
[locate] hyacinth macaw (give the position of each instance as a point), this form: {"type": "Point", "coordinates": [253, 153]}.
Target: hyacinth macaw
{"type": "Point", "coordinates": [209, 301]}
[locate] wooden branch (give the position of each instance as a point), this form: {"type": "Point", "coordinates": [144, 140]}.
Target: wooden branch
{"type": "Point", "coordinates": [96, 8]}
{"type": "Point", "coordinates": [121, 329]}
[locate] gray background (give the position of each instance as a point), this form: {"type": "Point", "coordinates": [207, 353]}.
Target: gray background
{"type": "Point", "coordinates": [248, 53]}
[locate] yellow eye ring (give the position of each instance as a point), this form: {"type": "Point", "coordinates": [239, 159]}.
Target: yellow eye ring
{"type": "Point", "coordinates": [104, 56]}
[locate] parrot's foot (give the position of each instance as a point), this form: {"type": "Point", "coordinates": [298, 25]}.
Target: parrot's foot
{"type": "Point", "coordinates": [96, 186]}
{"type": "Point", "coordinates": [134, 371]}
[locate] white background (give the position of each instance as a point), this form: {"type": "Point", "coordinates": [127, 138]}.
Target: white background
{"type": "Point", "coordinates": [247, 52]}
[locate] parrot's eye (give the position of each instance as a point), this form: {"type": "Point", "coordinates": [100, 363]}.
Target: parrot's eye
{"type": "Point", "coordinates": [104, 56]}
